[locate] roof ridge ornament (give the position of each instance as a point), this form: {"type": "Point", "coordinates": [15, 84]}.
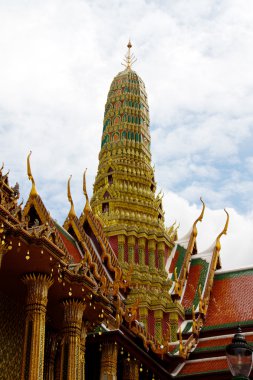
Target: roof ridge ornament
{"type": "Point", "coordinates": [87, 204]}
{"type": "Point", "coordinates": [72, 212]}
{"type": "Point", "coordinates": [129, 58]}
{"type": "Point", "coordinates": [33, 192]}
{"type": "Point", "coordinates": [199, 219]}
{"type": "Point", "coordinates": [223, 232]}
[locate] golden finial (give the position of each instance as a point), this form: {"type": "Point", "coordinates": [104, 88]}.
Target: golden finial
{"type": "Point", "coordinates": [87, 204]}
{"type": "Point", "coordinates": [199, 219]}
{"type": "Point", "coordinates": [129, 58]}
{"type": "Point", "coordinates": [72, 213]}
{"type": "Point", "coordinates": [223, 232]}
{"type": "Point", "coordinates": [33, 192]}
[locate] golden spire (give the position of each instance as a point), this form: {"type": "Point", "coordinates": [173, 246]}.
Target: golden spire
{"type": "Point", "coordinates": [199, 219]}
{"type": "Point", "coordinates": [129, 58]}
{"type": "Point", "coordinates": [72, 213]}
{"type": "Point", "coordinates": [223, 232]}
{"type": "Point", "coordinates": [87, 204]}
{"type": "Point", "coordinates": [33, 192]}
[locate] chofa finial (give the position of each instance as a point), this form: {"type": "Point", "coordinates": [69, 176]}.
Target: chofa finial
{"type": "Point", "coordinates": [33, 192]}
{"type": "Point", "coordinates": [223, 232]}
{"type": "Point", "coordinates": [72, 213]}
{"type": "Point", "coordinates": [87, 205]}
{"type": "Point", "coordinates": [129, 58]}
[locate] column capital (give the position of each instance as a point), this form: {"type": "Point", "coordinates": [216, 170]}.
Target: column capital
{"type": "Point", "coordinates": [37, 288]}
{"type": "Point", "coordinates": [141, 242]}
{"type": "Point", "coordinates": [73, 311]}
{"type": "Point", "coordinates": [151, 244]}
{"type": "Point", "coordinates": [121, 239]}
{"type": "Point", "coordinates": [131, 240]}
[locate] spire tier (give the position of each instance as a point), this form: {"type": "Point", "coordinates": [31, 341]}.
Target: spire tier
{"type": "Point", "coordinates": [124, 189]}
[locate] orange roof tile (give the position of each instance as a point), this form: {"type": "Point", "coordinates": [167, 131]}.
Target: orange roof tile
{"type": "Point", "coordinates": [220, 342]}
{"type": "Point", "coordinates": [205, 365]}
{"type": "Point", "coordinates": [231, 299]}
{"type": "Point", "coordinates": [192, 285]}
{"type": "Point", "coordinates": [70, 244]}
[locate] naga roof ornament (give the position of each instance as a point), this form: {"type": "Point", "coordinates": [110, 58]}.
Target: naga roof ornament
{"type": "Point", "coordinates": [33, 192]}
{"type": "Point", "coordinates": [87, 204]}
{"type": "Point", "coordinates": [72, 212]}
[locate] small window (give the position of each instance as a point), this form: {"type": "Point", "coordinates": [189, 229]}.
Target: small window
{"type": "Point", "coordinates": [105, 207]}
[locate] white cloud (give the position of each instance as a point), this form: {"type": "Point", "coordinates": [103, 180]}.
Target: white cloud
{"type": "Point", "coordinates": [58, 59]}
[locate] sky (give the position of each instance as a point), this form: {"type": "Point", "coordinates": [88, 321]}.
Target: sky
{"type": "Point", "coordinates": [58, 59]}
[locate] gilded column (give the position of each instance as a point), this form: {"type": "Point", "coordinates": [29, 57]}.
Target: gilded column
{"type": "Point", "coordinates": [158, 314]}
{"type": "Point", "coordinates": [121, 248]}
{"type": "Point", "coordinates": [130, 369]}
{"type": "Point", "coordinates": [141, 251]}
{"type": "Point", "coordinates": [82, 352]}
{"type": "Point", "coordinates": [151, 253]}
{"type": "Point", "coordinates": [143, 312]}
{"type": "Point", "coordinates": [173, 326]}
{"type": "Point", "coordinates": [131, 244]}
{"type": "Point", "coordinates": [50, 375]}
{"type": "Point", "coordinates": [34, 342]}
{"type": "Point", "coordinates": [71, 343]}
{"type": "Point", "coordinates": [161, 252]}
{"type": "Point", "coordinates": [109, 361]}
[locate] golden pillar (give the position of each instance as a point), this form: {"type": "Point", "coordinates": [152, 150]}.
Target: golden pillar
{"type": "Point", "coordinates": [82, 352]}
{"type": "Point", "coordinates": [143, 313]}
{"type": "Point", "coordinates": [130, 369]}
{"type": "Point", "coordinates": [141, 251]}
{"type": "Point", "coordinates": [173, 326]}
{"type": "Point", "coordinates": [158, 314]}
{"type": "Point", "coordinates": [109, 361]}
{"type": "Point", "coordinates": [131, 244]}
{"type": "Point", "coordinates": [151, 253]}
{"type": "Point", "coordinates": [161, 253]}
{"type": "Point", "coordinates": [121, 248]}
{"type": "Point", "coordinates": [34, 342]}
{"type": "Point", "coordinates": [50, 375]}
{"type": "Point", "coordinates": [71, 351]}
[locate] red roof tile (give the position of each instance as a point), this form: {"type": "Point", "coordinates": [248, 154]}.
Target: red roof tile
{"type": "Point", "coordinates": [231, 299]}
{"type": "Point", "coordinates": [220, 342]}
{"type": "Point", "coordinates": [194, 367]}
{"type": "Point", "coordinates": [71, 247]}
{"type": "Point", "coordinates": [192, 285]}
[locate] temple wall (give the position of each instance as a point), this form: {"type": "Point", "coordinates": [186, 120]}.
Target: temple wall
{"type": "Point", "coordinates": [11, 338]}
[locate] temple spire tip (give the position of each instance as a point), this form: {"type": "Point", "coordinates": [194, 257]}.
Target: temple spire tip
{"type": "Point", "coordinates": [129, 58]}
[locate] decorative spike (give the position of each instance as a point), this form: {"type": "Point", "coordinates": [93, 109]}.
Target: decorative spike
{"type": "Point", "coordinates": [72, 213]}
{"type": "Point", "coordinates": [33, 192]}
{"type": "Point", "coordinates": [223, 232]}
{"type": "Point", "coordinates": [129, 58]}
{"type": "Point", "coordinates": [199, 219]}
{"type": "Point", "coordinates": [87, 204]}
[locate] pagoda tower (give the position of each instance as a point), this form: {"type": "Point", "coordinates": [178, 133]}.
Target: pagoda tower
{"type": "Point", "coordinates": [125, 200]}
